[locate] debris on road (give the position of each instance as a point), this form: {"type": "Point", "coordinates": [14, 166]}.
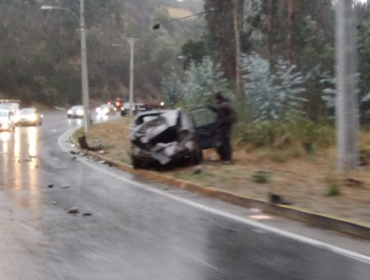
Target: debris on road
{"type": "Point", "coordinates": [50, 186]}
{"type": "Point", "coordinates": [87, 214]}
{"type": "Point", "coordinates": [278, 199]}
{"type": "Point", "coordinates": [53, 202]}
{"type": "Point", "coordinates": [73, 158]}
{"type": "Point", "coordinates": [73, 210]}
{"type": "Point", "coordinates": [74, 153]}
{"type": "Point", "coordinates": [198, 169]}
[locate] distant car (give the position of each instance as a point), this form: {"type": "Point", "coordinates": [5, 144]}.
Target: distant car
{"type": "Point", "coordinates": [29, 116]}
{"type": "Point", "coordinates": [165, 137]}
{"type": "Point", "coordinates": [11, 105]}
{"type": "Point", "coordinates": [6, 122]}
{"type": "Point", "coordinates": [105, 109]}
{"type": "Point", "coordinates": [125, 109]}
{"type": "Point", "coordinates": [118, 104]}
{"type": "Point", "coordinates": [76, 112]}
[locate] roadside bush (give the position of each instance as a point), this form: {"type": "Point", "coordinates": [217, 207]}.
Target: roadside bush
{"type": "Point", "coordinates": [279, 135]}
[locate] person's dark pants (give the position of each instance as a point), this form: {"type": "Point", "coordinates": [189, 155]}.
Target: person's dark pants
{"type": "Point", "coordinates": [224, 150]}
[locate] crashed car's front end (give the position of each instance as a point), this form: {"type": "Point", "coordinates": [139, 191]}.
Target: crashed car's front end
{"type": "Point", "coordinates": [163, 137]}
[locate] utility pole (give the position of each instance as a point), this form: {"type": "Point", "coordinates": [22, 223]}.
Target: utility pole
{"type": "Point", "coordinates": [346, 101]}
{"type": "Point", "coordinates": [237, 6]}
{"type": "Point", "coordinates": [132, 73]}
{"type": "Point", "coordinates": [85, 82]}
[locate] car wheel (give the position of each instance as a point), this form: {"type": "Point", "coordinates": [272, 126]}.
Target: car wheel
{"type": "Point", "coordinates": [136, 163]}
{"type": "Point", "coordinates": [196, 157]}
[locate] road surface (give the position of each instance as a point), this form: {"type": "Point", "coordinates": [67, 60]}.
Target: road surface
{"type": "Point", "coordinates": [127, 228]}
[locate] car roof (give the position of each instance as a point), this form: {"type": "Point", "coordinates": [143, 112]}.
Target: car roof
{"type": "Point", "coordinates": [30, 108]}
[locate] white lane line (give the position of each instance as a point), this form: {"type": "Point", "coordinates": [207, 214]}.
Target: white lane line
{"type": "Point", "coordinates": [290, 235]}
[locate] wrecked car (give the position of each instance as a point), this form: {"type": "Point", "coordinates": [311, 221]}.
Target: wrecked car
{"type": "Point", "coordinates": [166, 137]}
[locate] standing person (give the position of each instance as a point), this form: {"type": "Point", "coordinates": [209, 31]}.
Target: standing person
{"type": "Point", "coordinates": [225, 120]}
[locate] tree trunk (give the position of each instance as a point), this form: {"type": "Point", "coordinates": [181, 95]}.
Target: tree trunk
{"type": "Point", "coordinates": [290, 31]}
{"type": "Point", "coordinates": [270, 35]}
{"type": "Point", "coordinates": [238, 12]}
{"type": "Point", "coordinates": [346, 100]}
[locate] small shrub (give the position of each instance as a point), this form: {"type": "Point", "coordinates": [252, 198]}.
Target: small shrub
{"type": "Point", "coordinates": [261, 177]}
{"type": "Point", "coordinates": [333, 186]}
{"type": "Point", "coordinates": [333, 190]}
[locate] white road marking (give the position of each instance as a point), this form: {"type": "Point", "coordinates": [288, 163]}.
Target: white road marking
{"type": "Point", "coordinates": [260, 226]}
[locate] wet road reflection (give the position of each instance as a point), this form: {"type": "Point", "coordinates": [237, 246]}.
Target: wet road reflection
{"type": "Point", "coordinates": [19, 150]}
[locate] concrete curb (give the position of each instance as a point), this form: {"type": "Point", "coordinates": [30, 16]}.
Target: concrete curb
{"type": "Point", "coordinates": [314, 219]}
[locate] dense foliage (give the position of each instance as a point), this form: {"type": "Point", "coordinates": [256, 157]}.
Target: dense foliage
{"type": "Point", "coordinates": [40, 50]}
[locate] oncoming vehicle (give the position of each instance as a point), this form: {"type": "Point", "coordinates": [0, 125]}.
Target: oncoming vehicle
{"type": "Point", "coordinates": [125, 109]}
{"type": "Point", "coordinates": [29, 116]}
{"type": "Point", "coordinates": [118, 104]}
{"type": "Point", "coordinates": [166, 137]}
{"type": "Point", "coordinates": [10, 104]}
{"type": "Point", "coordinates": [6, 122]}
{"type": "Point", "coordinates": [105, 109]}
{"type": "Point", "coordinates": [76, 112]}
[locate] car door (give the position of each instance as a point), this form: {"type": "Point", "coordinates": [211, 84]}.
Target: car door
{"type": "Point", "coordinates": [205, 126]}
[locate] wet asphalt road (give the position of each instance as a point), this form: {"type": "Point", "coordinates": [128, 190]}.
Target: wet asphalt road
{"type": "Point", "coordinates": [133, 233]}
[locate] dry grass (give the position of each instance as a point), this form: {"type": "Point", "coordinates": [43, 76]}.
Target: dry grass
{"type": "Point", "coordinates": [114, 136]}
{"type": "Point", "coordinates": [302, 179]}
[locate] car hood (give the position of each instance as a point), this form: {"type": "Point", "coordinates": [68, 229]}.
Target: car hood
{"type": "Point", "coordinates": [164, 137]}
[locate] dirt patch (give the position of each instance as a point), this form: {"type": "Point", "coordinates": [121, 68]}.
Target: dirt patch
{"type": "Point", "coordinates": [179, 13]}
{"type": "Point", "coordinates": [301, 179]}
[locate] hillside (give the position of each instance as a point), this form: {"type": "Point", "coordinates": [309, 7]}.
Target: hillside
{"type": "Point", "coordinates": [40, 50]}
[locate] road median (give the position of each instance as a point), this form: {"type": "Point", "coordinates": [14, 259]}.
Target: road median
{"type": "Point", "coordinates": [356, 229]}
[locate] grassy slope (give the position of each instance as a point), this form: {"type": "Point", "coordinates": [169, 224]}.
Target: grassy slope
{"type": "Point", "coordinates": [299, 178]}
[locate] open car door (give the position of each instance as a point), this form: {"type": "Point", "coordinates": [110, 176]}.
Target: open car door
{"type": "Point", "coordinates": [205, 127]}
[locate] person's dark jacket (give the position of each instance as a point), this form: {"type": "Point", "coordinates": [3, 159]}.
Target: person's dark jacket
{"type": "Point", "coordinates": [225, 115]}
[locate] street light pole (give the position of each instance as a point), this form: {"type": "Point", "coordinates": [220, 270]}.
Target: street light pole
{"type": "Point", "coordinates": [84, 74]}
{"type": "Point", "coordinates": [347, 123]}
{"type": "Point", "coordinates": [85, 81]}
{"type": "Point", "coordinates": [132, 72]}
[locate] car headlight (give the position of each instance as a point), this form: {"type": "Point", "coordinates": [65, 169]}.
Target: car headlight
{"type": "Point", "coordinates": [32, 118]}
{"type": "Point", "coordinates": [98, 110]}
{"type": "Point", "coordinates": [5, 125]}
{"type": "Point", "coordinates": [105, 110]}
{"type": "Point", "coordinates": [80, 112]}
{"type": "Point", "coordinates": [70, 112]}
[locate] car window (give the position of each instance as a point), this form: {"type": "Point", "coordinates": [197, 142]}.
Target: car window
{"type": "Point", "coordinates": [203, 117]}
{"type": "Point", "coordinates": [27, 111]}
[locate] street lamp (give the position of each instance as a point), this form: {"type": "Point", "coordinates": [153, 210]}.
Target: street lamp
{"type": "Point", "coordinates": [158, 25]}
{"type": "Point", "coordinates": [132, 73]}
{"type": "Point", "coordinates": [85, 82]}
